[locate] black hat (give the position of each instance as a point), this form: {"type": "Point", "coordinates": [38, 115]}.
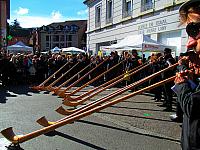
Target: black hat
{"type": "Point", "coordinates": [187, 4]}
{"type": "Point", "coordinates": [167, 50]}
{"type": "Point", "coordinates": [112, 53]}
{"type": "Point", "coordinates": [184, 54]}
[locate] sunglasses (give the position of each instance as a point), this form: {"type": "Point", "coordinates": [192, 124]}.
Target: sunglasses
{"type": "Point", "coordinates": [193, 29]}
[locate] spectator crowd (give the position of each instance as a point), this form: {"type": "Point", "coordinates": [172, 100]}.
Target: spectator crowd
{"type": "Point", "coordinates": [34, 69]}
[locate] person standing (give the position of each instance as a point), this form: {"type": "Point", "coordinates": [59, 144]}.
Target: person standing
{"type": "Point", "coordinates": [168, 60]}
{"type": "Point", "coordinates": [187, 82]}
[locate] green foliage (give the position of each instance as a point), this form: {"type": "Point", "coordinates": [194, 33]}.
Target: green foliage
{"type": "Point", "coordinates": [15, 25]}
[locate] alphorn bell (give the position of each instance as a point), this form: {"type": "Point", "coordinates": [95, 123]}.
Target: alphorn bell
{"type": "Point", "coordinates": [50, 86]}
{"type": "Point", "coordinates": [70, 103]}
{"type": "Point", "coordinates": [67, 97]}
{"type": "Point", "coordinates": [91, 81]}
{"type": "Point", "coordinates": [16, 139]}
{"type": "Point", "coordinates": [41, 86]}
{"type": "Point", "coordinates": [62, 93]}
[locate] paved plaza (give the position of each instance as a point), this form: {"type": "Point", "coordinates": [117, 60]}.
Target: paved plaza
{"type": "Point", "coordinates": [134, 124]}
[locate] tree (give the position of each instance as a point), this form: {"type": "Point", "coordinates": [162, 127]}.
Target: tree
{"type": "Point", "coordinates": [15, 25]}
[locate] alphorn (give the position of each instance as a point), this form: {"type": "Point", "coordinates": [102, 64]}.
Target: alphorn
{"type": "Point", "coordinates": [70, 103]}
{"type": "Point", "coordinates": [100, 86]}
{"type": "Point", "coordinates": [41, 86]}
{"type": "Point", "coordinates": [91, 81]}
{"type": "Point", "coordinates": [50, 86]}
{"type": "Point", "coordinates": [62, 93]}
{"type": "Point", "coordinates": [43, 121]}
{"type": "Point", "coordinates": [57, 89]}
{"type": "Point", "coordinates": [9, 134]}
{"type": "Point", "coordinates": [120, 91]}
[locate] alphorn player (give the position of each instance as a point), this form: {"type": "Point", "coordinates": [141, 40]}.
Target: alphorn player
{"type": "Point", "coordinates": [168, 60]}
{"type": "Point", "coordinates": [188, 95]}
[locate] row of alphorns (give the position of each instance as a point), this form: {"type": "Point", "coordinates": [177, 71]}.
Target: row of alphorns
{"type": "Point", "coordinates": [89, 108]}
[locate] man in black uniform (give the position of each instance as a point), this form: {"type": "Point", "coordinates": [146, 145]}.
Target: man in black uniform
{"type": "Point", "coordinates": [187, 92]}
{"type": "Point", "coordinates": [168, 61]}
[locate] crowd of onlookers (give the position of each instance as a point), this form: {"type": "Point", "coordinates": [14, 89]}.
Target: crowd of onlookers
{"type": "Point", "coordinates": [34, 69]}
{"type": "Point", "coordinates": [28, 68]}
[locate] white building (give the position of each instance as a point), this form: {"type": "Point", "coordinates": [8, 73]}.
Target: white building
{"type": "Point", "coordinates": [109, 21]}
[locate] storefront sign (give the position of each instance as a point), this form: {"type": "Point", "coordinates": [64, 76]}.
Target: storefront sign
{"type": "Point", "coordinates": [152, 27]}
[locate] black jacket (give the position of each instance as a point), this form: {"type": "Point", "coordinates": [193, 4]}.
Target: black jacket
{"type": "Point", "coordinates": [190, 104]}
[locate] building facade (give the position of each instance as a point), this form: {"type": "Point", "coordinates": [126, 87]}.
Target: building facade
{"type": "Point", "coordinates": [22, 34]}
{"type": "Point", "coordinates": [4, 15]}
{"type": "Point", "coordinates": [109, 21]}
{"type": "Point", "coordinates": [63, 34]}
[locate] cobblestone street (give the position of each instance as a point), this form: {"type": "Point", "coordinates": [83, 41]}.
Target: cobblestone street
{"type": "Point", "coordinates": [136, 123]}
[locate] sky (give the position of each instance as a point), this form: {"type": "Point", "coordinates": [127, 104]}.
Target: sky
{"type": "Point", "coordinates": [35, 13]}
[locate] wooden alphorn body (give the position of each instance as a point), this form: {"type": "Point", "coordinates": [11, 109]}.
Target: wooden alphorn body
{"type": "Point", "coordinates": [41, 86]}
{"type": "Point", "coordinates": [62, 93]}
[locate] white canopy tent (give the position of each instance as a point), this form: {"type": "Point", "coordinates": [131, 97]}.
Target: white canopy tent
{"type": "Point", "coordinates": [19, 47]}
{"type": "Point", "coordinates": [56, 50]}
{"type": "Point", "coordinates": [139, 42]}
{"type": "Point", "coordinates": [72, 50]}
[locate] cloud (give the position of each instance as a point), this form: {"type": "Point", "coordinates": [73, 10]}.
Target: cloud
{"type": "Point", "coordinates": [28, 21]}
{"type": "Point", "coordinates": [22, 11]}
{"type": "Point", "coordinates": [56, 15]}
{"type": "Point", "coordinates": [82, 12]}
{"type": "Point", "coordinates": [32, 21]}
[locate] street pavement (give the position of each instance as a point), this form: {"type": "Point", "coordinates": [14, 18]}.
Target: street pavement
{"type": "Point", "coordinates": [134, 124]}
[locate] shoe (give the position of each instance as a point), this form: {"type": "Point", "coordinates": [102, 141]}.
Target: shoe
{"type": "Point", "coordinates": [175, 118]}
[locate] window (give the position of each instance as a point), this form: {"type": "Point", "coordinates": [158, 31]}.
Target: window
{"type": "Point", "coordinates": [67, 28]}
{"type": "Point", "coordinates": [56, 38]}
{"type": "Point", "coordinates": [47, 38]}
{"type": "Point", "coordinates": [69, 44]}
{"type": "Point", "coordinates": [54, 45]}
{"type": "Point", "coordinates": [127, 8]}
{"type": "Point", "coordinates": [51, 29]}
{"type": "Point", "coordinates": [68, 37]}
{"type": "Point", "coordinates": [109, 11]}
{"type": "Point", "coordinates": [98, 16]}
{"type": "Point", "coordinates": [47, 45]}
{"type": "Point", "coordinates": [62, 45]}
{"type": "Point", "coordinates": [146, 5]}
{"type": "Point", "coordinates": [62, 38]}
{"type": "Point", "coordinates": [59, 28]}
{"type": "Point", "coordinates": [74, 28]}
